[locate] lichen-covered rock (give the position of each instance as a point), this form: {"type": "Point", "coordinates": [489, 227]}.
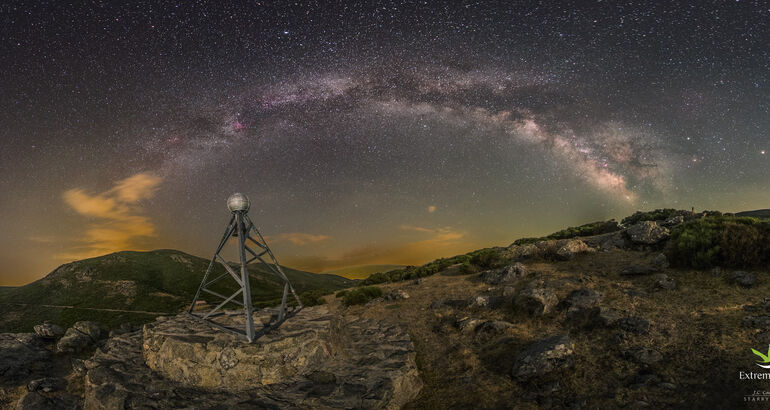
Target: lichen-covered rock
{"type": "Point", "coordinates": [508, 274]}
{"type": "Point", "coordinates": [742, 278]}
{"type": "Point", "coordinates": [48, 330]}
{"type": "Point", "coordinates": [94, 330]}
{"type": "Point", "coordinates": [543, 357]}
{"type": "Point", "coordinates": [21, 354]}
{"type": "Point", "coordinates": [536, 301]}
{"type": "Point", "coordinates": [492, 328]}
{"type": "Point", "coordinates": [571, 248]}
{"type": "Point", "coordinates": [397, 294]}
{"type": "Point", "coordinates": [663, 281]}
{"type": "Point", "coordinates": [647, 233]}
{"type": "Point", "coordinates": [607, 241]}
{"type": "Point", "coordinates": [73, 341]}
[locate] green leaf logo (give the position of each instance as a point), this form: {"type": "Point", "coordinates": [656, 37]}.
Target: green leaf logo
{"type": "Point", "coordinates": [765, 358]}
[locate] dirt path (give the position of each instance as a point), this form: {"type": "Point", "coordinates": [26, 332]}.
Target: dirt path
{"type": "Point", "coordinates": [87, 308]}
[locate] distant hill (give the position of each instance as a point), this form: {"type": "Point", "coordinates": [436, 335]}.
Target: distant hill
{"type": "Point", "coordinates": [759, 213]}
{"type": "Point", "coordinates": [363, 271]}
{"type": "Point", "coordinates": [155, 282]}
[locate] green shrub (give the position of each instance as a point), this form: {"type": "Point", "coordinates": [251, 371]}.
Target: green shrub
{"type": "Point", "coordinates": [487, 258]}
{"type": "Point", "coordinates": [589, 229]}
{"type": "Point", "coordinates": [341, 293]}
{"type": "Point", "coordinates": [361, 295]}
{"type": "Point", "coordinates": [467, 269]}
{"type": "Point", "coordinates": [313, 297]}
{"type": "Point", "coordinates": [718, 240]}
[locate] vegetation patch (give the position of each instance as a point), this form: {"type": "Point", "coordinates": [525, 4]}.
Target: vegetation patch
{"type": "Point", "coordinates": [313, 297]}
{"type": "Point", "coordinates": [589, 229]}
{"type": "Point", "coordinates": [717, 240]}
{"type": "Point", "coordinates": [359, 296]}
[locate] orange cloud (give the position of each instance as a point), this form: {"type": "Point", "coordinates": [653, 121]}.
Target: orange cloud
{"type": "Point", "coordinates": [120, 222]}
{"type": "Point", "coordinates": [298, 238]}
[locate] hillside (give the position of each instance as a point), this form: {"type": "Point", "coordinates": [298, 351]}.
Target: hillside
{"type": "Point", "coordinates": [759, 213]}
{"type": "Point", "coordinates": [136, 287]}
{"type": "Point", "coordinates": [363, 271]}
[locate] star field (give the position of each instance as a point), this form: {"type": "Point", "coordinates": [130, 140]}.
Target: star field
{"type": "Point", "coordinates": [369, 132]}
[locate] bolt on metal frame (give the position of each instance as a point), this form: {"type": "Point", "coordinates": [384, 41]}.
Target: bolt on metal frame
{"type": "Point", "coordinates": [242, 227]}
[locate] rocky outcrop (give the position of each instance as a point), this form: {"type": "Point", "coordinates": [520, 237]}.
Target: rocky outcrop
{"type": "Point", "coordinates": [21, 355]}
{"type": "Point", "coordinates": [571, 248]}
{"type": "Point", "coordinates": [663, 281]}
{"type": "Point", "coordinates": [647, 233]}
{"type": "Point", "coordinates": [48, 330]}
{"type": "Point", "coordinates": [345, 363]}
{"type": "Point", "coordinates": [80, 336]}
{"type": "Point", "coordinates": [536, 301]}
{"type": "Point", "coordinates": [543, 357]}
{"type": "Point", "coordinates": [608, 241]}
{"type": "Point", "coordinates": [742, 278]}
{"type": "Point", "coordinates": [505, 275]}
{"type": "Point", "coordinates": [397, 294]}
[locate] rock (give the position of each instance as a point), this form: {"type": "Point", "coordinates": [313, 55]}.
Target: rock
{"type": "Point", "coordinates": [508, 274]}
{"type": "Point", "coordinates": [536, 301]}
{"type": "Point", "coordinates": [660, 262]}
{"type": "Point", "coordinates": [543, 357]}
{"type": "Point", "coordinates": [375, 367]}
{"type": "Point", "coordinates": [635, 270]}
{"type": "Point", "coordinates": [48, 384]}
{"type": "Point", "coordinates": [21, 355]}
{"type": "Point", "coordinates": [397, 294]}
{"type": "Point", "coordinates": [492, 328]}
{"type": "Point", "coordinates": [663, 281]}
{"type": "Point", "coordinates": [572, 248]}
{"type": "Point", "coordinates": [36, 401]}
{"type": "Point", "coordinates": [634, 324]}
{"type": "Point", "coordinates": [607, 241]}
{"type": "Point", "coordinates": [643, 355]}
{"type": "Point", "coordinates": [673, 221]}
{"type": "Point", "coordinates": [592, 317]}
{"type": "Point", "coordinates": [742, 278]}
{"type": "Point", "coordinates": [418, 281]}
{"type": "Point", "coordinates": [48, 330]}
{"type": "Point", "coordinates": [94, 330]}
{"type": "Point", "coordinates": [521, 251]}
{"type": "Point", "coordinates": [122, 329]}
{"type": "Point", "coordinates": [79, 367]}
{"type": "Point", "coordinates": [757, 322]}
{"type": "Point", "coordinates": [467, 325]}
{"type": "Point", "coordinates": [647, 233]}
{"type": "Point", "coordinates": [583, 298]}
{"type": "Point", "coordinates": [479, 301]}
{"type": "Point", "coordinates": [73, 341]}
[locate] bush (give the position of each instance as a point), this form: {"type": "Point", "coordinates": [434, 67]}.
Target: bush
{"type": "Point", "coordinates": [312, 297]}
{"type": "Point", "coordinates": [467, 269]}
{"type": "Point", "coordinates": [361, 295]}
{"type": "Point", "coordinates": [487, 259]}
{"type": "Point", "coordinates": [341, 293]}
{"type": "Point", "coordinates": [718, 240]}
{"type": "Point", "coordinates": [589, 229]}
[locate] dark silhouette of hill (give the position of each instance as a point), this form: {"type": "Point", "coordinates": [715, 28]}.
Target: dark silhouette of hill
{"type": "Point", "coordinates": [759, 213]}
{"type": "Point", "coordinates": [136, 287]}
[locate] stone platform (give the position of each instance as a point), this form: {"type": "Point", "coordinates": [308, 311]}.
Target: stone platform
{"type": "Point", "coordinates": [313, 360]}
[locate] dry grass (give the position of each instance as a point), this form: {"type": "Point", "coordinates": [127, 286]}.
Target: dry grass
{"type": "Point", "coordinates": [696, 327]}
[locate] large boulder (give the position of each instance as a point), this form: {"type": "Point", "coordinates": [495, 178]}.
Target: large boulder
{"type": "Point", "coordinates": [543, 357]}
{"type": "Point", "coordinates": [48, 330]}
{"type": "Point", "coordinates": [647, 233]}
{"type": "Point", "coordinates": [571, 248]}
{"type": "Point", "coordinates": [92, 329]}
{"type": "Point", "coordinates": [21, 354]}
{"type": "Point", "coordinates": [742, 278]}
{"type": "Point", "coordinates": [508, 274]}
{"type": "Point", "coordinates": [607, 241]}
{"type": "Point", "coordinates": [536, 301]}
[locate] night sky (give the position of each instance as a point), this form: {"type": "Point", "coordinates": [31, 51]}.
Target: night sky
{"type": "Point", "coordinates": [369, 132]}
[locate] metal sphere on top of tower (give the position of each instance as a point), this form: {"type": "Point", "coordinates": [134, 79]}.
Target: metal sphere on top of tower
{"type": "Point", "coordinates": [238, 202]}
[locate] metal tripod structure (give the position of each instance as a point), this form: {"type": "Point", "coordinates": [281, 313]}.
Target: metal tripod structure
{"type": "Point", "coordinates": [242, 227]}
